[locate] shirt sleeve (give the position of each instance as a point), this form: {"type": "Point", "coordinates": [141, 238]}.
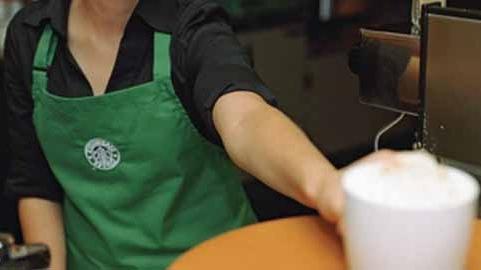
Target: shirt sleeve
{"type": "Point", "coordinates": [4, 154]}
{"type": "Point", "coordinates": [29, 173]}
{"type": "Point", "coordinates": [212, 61]}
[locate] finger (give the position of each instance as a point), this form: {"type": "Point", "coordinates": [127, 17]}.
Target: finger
{"type": "Point", "coordinates": [341, 228]}
{"type": "Point", "coordinates": [332, 204]}
{"type": "Point", "coordinates": [338, 202]}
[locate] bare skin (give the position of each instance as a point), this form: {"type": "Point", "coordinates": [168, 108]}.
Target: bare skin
{"type": "Point", "coordinates": [95, 29]}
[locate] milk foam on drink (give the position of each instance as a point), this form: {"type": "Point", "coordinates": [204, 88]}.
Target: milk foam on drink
{"type": "Point", "coordinates": [412, 180]}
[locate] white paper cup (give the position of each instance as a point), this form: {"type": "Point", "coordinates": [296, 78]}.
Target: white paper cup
{"type": "Point", "coordinates": [380, 236]}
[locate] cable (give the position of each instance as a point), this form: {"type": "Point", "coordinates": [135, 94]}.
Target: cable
{"type": "Point", "coordinates": [386, 129]}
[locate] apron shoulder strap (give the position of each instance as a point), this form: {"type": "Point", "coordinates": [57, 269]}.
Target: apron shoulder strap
{"type": "Point", "coordinates": [162, 64]}
{"type": "Point", "coordinates": [44, 55]}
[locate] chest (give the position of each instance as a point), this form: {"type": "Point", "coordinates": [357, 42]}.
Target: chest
{"type": "Point", "coordinates": [82, 72]}
{"type": "Point", "coordinates": [94, 43]}
{"type": "Point", "coordinates": [96, 59]}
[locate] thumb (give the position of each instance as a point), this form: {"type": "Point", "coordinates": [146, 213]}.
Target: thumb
{"type": "Point", "coordinates": [341, 227]}
{"type": "Point", "coordinates": [332, 200]}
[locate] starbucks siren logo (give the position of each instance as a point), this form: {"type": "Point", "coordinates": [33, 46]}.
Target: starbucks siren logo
{"type": "Point", "coordinates": [101, 154]}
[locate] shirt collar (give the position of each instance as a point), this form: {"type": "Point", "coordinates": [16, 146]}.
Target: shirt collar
{"type": "Point", "coordinates": [159, 14]}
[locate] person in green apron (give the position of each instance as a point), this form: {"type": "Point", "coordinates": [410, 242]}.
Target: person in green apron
{"type": "Point", "coordinates": [141, 180]}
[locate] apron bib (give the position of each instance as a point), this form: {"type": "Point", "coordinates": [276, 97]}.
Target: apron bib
{"type": "Point", "coordinates": [141, 184]}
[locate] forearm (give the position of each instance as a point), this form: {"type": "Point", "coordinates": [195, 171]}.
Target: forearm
{"type": "Point", "coordinates": [265, 143]}
{"type": "Point", "coordinates": [42, 222]}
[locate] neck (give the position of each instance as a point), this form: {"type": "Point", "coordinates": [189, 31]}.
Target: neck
{"type": "Point", "coordinates": [106, 15]}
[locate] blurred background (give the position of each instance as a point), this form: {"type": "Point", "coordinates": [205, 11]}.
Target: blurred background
{"type": "Point", "coordinates": [300, 49]}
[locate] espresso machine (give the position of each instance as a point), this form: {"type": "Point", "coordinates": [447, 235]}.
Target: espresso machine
{"type": "Point", "coordinates": [432, 74]}
{"type": "Point", "coordinates": [22, 257]}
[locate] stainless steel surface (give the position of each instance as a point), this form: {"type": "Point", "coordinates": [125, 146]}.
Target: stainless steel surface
{"type": "Point", "coordinates": [452, 124]}
{"type": "Point", "coordinates": [416, 12]}
{"type": "Point", "coordinates": [325, 10]}
{"type": "Point", "coordinates": [389, 71]}
{"type": "Point", "coordinates": [22, 257]}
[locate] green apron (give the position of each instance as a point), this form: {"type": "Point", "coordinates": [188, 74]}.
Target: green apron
{"type": "Point", "coordinates": [141, 184]}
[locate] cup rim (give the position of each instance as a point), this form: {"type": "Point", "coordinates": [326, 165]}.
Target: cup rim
{"type": "Point", "coordinates": [462, 175]}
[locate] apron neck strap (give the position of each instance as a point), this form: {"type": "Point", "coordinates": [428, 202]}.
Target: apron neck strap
{"type": "Point", "coordinates": [161, 68]}
{"type": "Point", "coordinates": [45, 49]}
{"type": "Point", "coordinates": [44, 55]}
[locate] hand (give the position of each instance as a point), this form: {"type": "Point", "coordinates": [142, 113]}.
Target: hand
{"type": "Point", "coordinates": [331, 200]}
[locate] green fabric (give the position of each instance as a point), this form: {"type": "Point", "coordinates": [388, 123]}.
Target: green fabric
{"type": "Point", "coordinates": [141, 184]}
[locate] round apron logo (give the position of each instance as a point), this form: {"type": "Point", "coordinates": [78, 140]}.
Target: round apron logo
{"type": "Point", "coordinates": [102, 154]}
